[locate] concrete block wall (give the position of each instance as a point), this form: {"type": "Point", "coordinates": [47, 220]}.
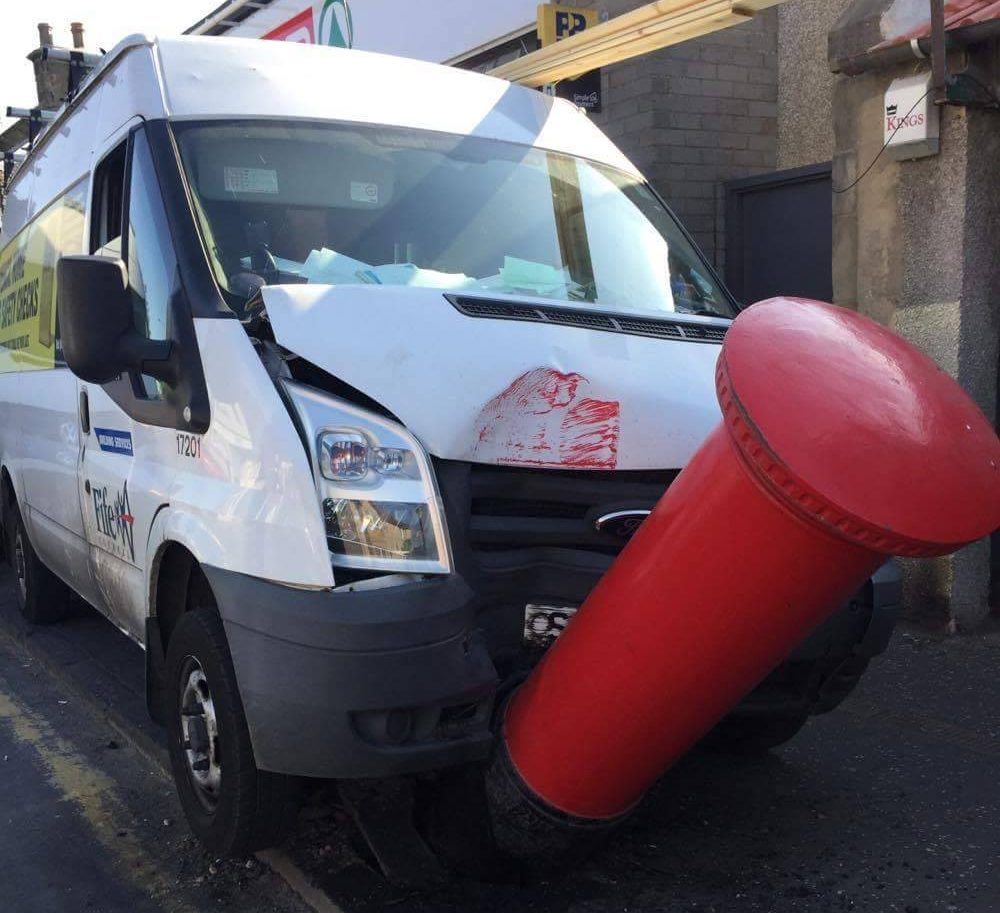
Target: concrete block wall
{"type": "Point", "coordinates": [697, 114]}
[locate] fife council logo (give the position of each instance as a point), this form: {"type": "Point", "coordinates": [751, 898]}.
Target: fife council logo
{"type": "Point", "coordinates": [114, 520]}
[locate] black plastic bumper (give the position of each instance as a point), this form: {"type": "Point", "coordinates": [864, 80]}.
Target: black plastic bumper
{"type": "Point", "coordinates": [382, 682]}
{"type": "Point", "coordinates": [864, 626]}
{"type": "Point", "coordinates": [825, 667]}
{"type": "Point", "coordinates": [364, 684]}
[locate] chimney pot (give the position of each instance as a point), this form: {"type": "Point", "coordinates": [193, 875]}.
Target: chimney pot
{"type": "Point", "coordinates": [77, 29]}
{"type": "Point", "coordinates": [44, 35]}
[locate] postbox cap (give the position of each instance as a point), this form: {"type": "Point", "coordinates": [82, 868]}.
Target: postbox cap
{"type": "Point", "coordinates": [857, 430]}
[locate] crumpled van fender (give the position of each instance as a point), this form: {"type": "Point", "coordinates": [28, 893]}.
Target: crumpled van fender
{"type": "Point", "coordinates": [171, 527]}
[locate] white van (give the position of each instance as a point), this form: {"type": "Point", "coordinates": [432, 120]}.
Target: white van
{"type": "Point", "coordinates": [363, 371]}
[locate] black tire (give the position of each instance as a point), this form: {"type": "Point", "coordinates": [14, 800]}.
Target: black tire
{"type": "Point", "coordinates": [242, 809]}
{"type": "Point", "coordinates": [753, 735]}
{"type": "Point", "coordinates": [840, 684]}
{"type": "Point", "coordinates": [41, 596]}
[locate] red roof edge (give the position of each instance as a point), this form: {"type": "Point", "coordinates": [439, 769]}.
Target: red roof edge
{"type": "Point", "coordinates": [958, 14]}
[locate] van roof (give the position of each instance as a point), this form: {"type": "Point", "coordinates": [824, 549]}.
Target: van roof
{"type": "Point", "coordinates": [199, 78]}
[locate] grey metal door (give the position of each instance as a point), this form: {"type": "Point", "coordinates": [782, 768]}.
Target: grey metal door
{"type": "Point", "coordinates": [779, 235]}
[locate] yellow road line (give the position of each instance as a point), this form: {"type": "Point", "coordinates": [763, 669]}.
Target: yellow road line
{"type": "Point", "coordinates": [92, 792]}
{"type": "Point", "coordinates": [282, 866]}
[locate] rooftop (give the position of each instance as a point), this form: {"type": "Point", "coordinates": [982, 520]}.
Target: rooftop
{"type": "Point", "coordinates": [958, 14]}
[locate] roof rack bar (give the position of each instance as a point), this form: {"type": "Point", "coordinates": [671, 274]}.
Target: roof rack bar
{"type": "Point", "coordinates": [45, 116]}
{"type": "Point", "coordinates": [71, 55]}
{"type": "Point", "coordinates": [36, 119]}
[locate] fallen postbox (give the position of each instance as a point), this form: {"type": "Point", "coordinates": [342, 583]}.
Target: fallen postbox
{"type": "Point", "coordinates": [840, 444]}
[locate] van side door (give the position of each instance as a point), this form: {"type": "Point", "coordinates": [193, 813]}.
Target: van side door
{"type": "Point", "coordinates": [130, 431]}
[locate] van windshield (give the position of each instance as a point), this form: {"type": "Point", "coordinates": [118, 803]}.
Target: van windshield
{"type": "Point", "coordinates": [360, 205]}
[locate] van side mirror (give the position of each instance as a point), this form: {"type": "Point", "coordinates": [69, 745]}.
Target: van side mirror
{"type": "Point", "coordinates": [99, 337]}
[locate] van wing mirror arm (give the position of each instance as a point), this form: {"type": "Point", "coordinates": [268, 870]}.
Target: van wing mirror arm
{"type": "Point", "coordinates": [156, 358]}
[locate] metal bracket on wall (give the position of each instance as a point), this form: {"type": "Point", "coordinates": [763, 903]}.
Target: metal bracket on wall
{"type": "Point", "coordinates": [971, 88]}
{"type": "Point", "coordinates": [967, 88]}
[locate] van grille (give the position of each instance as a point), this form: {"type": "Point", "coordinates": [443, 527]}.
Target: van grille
{"type": "Point", "coordinates": [514, 508]}
{"type": "Point", "coordinates": [592, 320]}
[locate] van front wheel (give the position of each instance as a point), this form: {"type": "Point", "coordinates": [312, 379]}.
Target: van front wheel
{"type": "Point", "coordinates": [232, 807]}
{"type": "Point", "coordinates": [41, 596]}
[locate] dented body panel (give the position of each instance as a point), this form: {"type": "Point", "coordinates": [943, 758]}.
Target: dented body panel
{"type": "Point", "coordinates": [506, 392]}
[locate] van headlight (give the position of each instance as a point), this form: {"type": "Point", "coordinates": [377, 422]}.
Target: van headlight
{"type": "Point", "coordinates": [376, 487]}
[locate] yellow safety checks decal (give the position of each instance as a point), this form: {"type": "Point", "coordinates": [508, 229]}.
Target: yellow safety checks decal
{"type": "Point", "coordinates": [28, 284]}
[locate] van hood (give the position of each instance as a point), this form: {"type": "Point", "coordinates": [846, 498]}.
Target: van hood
{"type": "Point", "coordinates": [504, 391]}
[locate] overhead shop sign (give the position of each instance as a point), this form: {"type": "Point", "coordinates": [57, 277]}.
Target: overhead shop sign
{"type": "Point", "coordinates": [556, 22]}
{"type": "Point", "coordinates": [325, 22]}
{"type": "Point", "coordinates": [438, 32]}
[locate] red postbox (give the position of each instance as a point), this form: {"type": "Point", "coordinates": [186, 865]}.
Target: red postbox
{"type": "Point", "coordinates": [840, 445]}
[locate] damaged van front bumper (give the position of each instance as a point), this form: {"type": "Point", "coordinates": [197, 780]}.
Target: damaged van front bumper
{"type": "Point", "coordinates": [401, 679]}
{"type": "Point", "coordinates": [370, 683]}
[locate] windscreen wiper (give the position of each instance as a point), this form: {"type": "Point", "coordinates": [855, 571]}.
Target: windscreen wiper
{"type": "Point", "coordinates": [710, 312]}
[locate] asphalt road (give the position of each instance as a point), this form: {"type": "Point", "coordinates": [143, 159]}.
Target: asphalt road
{"type": "Point", "coordinates": [55, 820]}
{"type": "Point", "coordinates": [892, 803]}
{"type": "Point", "coordinates": [90, 825]}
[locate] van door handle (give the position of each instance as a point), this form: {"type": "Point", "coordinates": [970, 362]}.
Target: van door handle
{"type": "Point", "coordinates": [84, 412]}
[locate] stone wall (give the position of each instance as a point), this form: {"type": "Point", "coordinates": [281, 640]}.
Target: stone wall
{"type": "Point", "coordinates": [805, 83]}
{"type": "Point", "coordinates": [915, 247]}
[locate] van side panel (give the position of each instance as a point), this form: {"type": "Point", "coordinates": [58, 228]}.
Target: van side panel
{"type": "Point", "coordinates": [242, 496]}
{"type": "Point", "coordinates": [131, 88]}
{"type": "Point", "coordinates": [40, 441]}
{"type": "Point", "coordinates": [46, 409]}
{"type": "Point", "coordinates": [66, 151]}
{"type": "Point", "coordinates": [10, 433]}
{"type": "Point", "coordinates": [26, 386]}
{"type": "Point", "coordinates": [18, 204]}
{"type": "Point", "coordinates": [65, 154]}
{"type": "Point", "coordinates": [14, 217]}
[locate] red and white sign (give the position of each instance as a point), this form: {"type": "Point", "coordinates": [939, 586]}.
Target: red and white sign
{"type": "Point", "coordinates": [438, 31]}
{"type": "Point", "coordinates": [910, 118]}
{"type": "Point", "coordinates": [298, 29]}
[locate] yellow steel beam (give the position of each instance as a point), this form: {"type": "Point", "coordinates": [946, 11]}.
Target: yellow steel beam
{"type": "Point", "coordinates": [648, 28]}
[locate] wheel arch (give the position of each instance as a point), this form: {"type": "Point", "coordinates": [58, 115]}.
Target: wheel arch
{"type": "Point", "coordinates": [8, 490]}
{"type": "Point", "coordinates": [7, 497]}
{"type": "Point", "coordinates": [10, 497]}
{"type": "Point", "coordinates": [174, 573]}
